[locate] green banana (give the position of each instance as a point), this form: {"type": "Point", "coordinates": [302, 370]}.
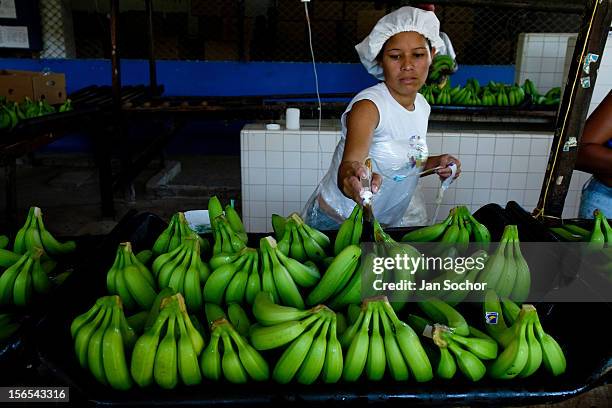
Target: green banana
{"type": "Point", "coordinates": [313, 363]}
{"type": "Point", "coordinates": [357, 353]}
{"type": "Point", "coordinates": [254, 364]}
{"type": "Point", "coordinates": [113, 354]}
{"type": "Point", "coordinates": [334, 362]}
{"type": "Point", "coordinates": [165, 368]}
{"type": "Point", "coordinates": [188, 366]}
{"type": "Point", "coordinates": [233, 369]}
{"type": "Point", "coordinates": [239, 319]}
{"type": "Point", "coordinates": [210, 359]}
{"type": "Point", "coordinates": [293, 357]}
{"type": "Point", "coordinates": [345, 232]}
{"type": "Point", "coordinates": [468, 363]}
{"type": "Point", "coordinates": [375, 364]}
{"type": "Point", "coordinates": [268, 313]}
{"type": "Point", "coordinates": [269, 337]}
{"type": "Point", "coordinates": [340, 270]}
{"type": "Point", "coordinates": [94, 349]}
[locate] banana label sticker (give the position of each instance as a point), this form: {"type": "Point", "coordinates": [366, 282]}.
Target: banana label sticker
{"type": "Point", "coordinates": [491, 317]}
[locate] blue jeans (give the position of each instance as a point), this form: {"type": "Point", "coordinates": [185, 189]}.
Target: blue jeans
{"type": "Point", "coordinates": [595, 195]}
{"type": "Point", "coordinates": [317, 218]}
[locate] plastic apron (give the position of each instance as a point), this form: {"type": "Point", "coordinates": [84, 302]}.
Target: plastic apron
{"type": "Point", "coordinates": [399, 162]}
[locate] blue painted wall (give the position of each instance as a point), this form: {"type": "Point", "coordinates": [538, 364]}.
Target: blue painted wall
{"type": "Point", "coordinates": [203, 78]}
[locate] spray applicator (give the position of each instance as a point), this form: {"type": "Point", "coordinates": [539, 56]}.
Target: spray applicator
{"type": "Point", "coordinates": [443, 187]}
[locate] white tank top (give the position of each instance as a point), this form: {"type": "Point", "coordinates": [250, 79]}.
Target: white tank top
{"type": "Point", "coordinates": [399, 152]}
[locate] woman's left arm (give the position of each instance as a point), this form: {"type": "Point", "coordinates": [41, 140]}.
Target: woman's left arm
{"type": "Point", "coordinates": [443, 161]}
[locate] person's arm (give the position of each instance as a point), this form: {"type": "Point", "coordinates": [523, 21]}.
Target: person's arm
{"type": "Point", "coordinates": [593, 155]}
{"type": "Point", "coordinates": [360, 123]}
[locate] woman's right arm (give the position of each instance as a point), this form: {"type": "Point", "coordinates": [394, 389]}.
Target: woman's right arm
{"type": "Point", "coordinates": [593, 154]}
{"type": "Point", "coordinates": [360, 123]}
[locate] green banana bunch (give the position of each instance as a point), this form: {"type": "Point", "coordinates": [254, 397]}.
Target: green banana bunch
{"type": "Point", "coordinates": [397, 348]}
{"type": "Point", "coordinates": [506, 270]}
{"type": "Point", "coordinates": [601, 234]}
{"type": "Point", "coordinates": [279, 325]}
{"type": "Point", "coordinates": [522, 354]}
{"type": "Point", "coordinates": [23, 278]}
{"type": "Point", "coordinates": [441, 66]}
{"type": "Point", "coordinates": [548, 351]}
{"type": "Point", "coordinates": [34, 234]}
{"type": "Point", "coordinates": [168, 350]}
{"type": "Point", "coordinates": [336, 277]}
{"type": "Point", "coordinates": [184, 271]}
{"type": "Point", "coordinates": [313, 350]}
{"type": "Point", "coordinates": [102, 338]}
{"type": "Point", "coordinates": [300, 241]}
{"type": "Point", "coordinates": [8, 325]}
{"type": "Point", "coordinates": [553, 96]}
{"type": "Point", "coordinates": [279, 274]}
{"type": "Point", "coordinates": [235, 278]}
{"type": "Point", "coordinates": [177, 231]}
{"type": "Point", "coordinates": [131, 280]}
{"type": "Point", "coordinates": [66, 106]}
{"type": "Point", "coordinates": [530, 89]}
{"type": "Point", "coordinates": [460, 227]}
{"type": "Point", "coordinates": [8, 117]}
{"type": "Point", "coordinates": [226, 240]}
{"type": "Point", "coordinates": [467, 351]}
{"type": "Point", "coordinates": [220, 358]}
{"type": "Point", "coordinates": [350, 230]}
{"type": "Point", "coordinates": [392, 249]}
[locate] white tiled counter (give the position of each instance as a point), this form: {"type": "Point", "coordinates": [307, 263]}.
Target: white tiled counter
{"type": "Point", "coordinates": [281, 168]}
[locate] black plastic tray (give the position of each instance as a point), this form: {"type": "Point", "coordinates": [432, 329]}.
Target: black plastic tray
{"type": "Point", "coordinates": [575, 326]}
{"type": "Point", "coordinates": [29, 316]}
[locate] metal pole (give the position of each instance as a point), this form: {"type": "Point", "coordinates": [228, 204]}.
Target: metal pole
{"type": "Point", "coordinates": [150, 40]}
{"type": "Point", "coordinates": [115, 63]}
{"type": "Point", "coordinates": [574, 106]}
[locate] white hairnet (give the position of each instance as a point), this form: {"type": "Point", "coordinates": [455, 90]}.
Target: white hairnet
{"type": "Point", "coordinates": [402, 19]}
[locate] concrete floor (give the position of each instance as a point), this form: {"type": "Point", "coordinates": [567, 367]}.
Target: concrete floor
{"type": "Point", "coordinates": [66, 189]}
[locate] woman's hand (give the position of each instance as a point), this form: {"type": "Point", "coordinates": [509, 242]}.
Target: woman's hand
{"type": "Point", "coordinates": [350, 174]}
{"type": "Point", "coordinates": [443, 161]}
{"type": "Point", "coordinates": [445, 171]}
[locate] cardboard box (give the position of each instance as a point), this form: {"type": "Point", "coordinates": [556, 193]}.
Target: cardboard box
{"type": "Point", "coordinates": [16, 85]}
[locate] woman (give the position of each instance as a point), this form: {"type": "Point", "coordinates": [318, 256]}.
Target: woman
{"type": "Point", "coordinates": [595, 157]}
{"type": "Point", "coordinates": [386, 122]}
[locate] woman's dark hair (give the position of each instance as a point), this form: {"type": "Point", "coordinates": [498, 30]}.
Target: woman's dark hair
{"type": "Point", "coordinates": [382, 50]}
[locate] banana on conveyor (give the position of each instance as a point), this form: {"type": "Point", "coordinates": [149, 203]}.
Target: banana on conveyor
{"type": "Point", "coordinates": [460, 227]}
{"type": "Point", "coordinates": [102, 340]}
{"type": "Point", "coordinates": [229, 354]}
{"type": "Point", "coordinates": [235, 277]}
{"type": "Point", "coordinates": [313, 350]}
{"type": "Point", "coordinates": [23, 279]}
{"type": "Point", "coordinates": [177, 231]}
{"type": "Point", "coordinates": [543, 348]}
{"type": "Point", "coordinates": [506, 270]}
{"type": "Point", "coordinates": [394, 249]}
{"type": "Point", "coordinates": [168, 351]}
{"type": "Point", "coordinates": [34, 234]}
{"type": "Point", "coordinates": [298, 240]}
{"type": "Point", "coordinates": [131, 280]}
{"type": "Point", "coordinates": [379, 339]}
